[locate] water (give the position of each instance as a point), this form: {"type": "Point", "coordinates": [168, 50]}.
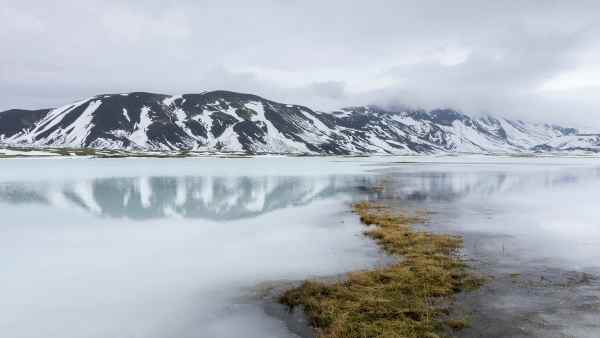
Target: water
{"type": "Point", "coordinates": [539, 212]}
{"type": "Point", "coordinates": [179, 248]}
{"type": "Point", "coordinates": [167, 248]}
{"type": "Point", "coordinates": [532, 226]}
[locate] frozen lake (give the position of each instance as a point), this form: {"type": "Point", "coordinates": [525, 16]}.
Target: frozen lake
{"type": "Point", "coordinates": [177, 247]}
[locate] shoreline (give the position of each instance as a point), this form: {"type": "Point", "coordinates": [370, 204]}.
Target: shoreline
{"type": "Point", "coordinates": [12, 152]}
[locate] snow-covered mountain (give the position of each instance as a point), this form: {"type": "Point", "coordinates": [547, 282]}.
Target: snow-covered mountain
{"type": "Point", "coordinates": [572, 143]}
{"type": "Point", "coordinates": [228, 121]}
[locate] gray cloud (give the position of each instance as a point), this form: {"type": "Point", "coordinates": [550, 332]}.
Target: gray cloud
{"type": "Point", "coordinates": [536, 60]}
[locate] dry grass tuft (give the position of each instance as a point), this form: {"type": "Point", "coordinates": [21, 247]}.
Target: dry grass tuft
{"type": "Point", "coordinates": [410, 298]}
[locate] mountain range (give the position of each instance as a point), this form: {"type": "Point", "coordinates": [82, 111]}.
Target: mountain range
{"type": "Point", "coordinates": [226, 121]}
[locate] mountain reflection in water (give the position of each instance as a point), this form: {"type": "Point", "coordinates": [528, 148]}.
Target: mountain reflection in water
{"type": "Point", "coordinates": [215, 198]}
{"type": "Point", "coordinates": [231, 197]}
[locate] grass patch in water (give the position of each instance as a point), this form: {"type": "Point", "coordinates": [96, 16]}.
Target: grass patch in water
{"type": "Point", "coordinates": [410, 298]}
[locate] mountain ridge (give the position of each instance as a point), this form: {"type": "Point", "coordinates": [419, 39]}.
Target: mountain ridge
{"type": "Point", "coordinates": [239, 122]}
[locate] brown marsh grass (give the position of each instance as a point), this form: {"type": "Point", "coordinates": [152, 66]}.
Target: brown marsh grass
{"type": "Point", "coordinates": [410, 298]}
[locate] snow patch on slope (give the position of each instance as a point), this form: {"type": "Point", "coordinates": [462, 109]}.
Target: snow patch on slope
{"type": "Point", "coordinates": [139, 135]}
{"type": "Point", "coordinates": [79, 130]}
{"type": "Point", "coordinates": [275, 140]}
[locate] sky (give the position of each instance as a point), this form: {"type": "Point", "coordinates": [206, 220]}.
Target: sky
{"type": "Point", "coordinates": [532, 60]}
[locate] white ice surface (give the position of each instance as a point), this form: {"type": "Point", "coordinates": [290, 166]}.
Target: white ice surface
{"type": "Point", "coordinates": [111, 248]}
{"type": "Point", "coordinates": [84, 261]}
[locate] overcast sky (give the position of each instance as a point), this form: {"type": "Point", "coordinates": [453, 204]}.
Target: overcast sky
{"type": "Point", "coordinates": [535, 60]}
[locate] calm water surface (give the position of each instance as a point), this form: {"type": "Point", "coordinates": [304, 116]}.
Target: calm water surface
{"type": "Point", "coordinates": [176, 248]}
